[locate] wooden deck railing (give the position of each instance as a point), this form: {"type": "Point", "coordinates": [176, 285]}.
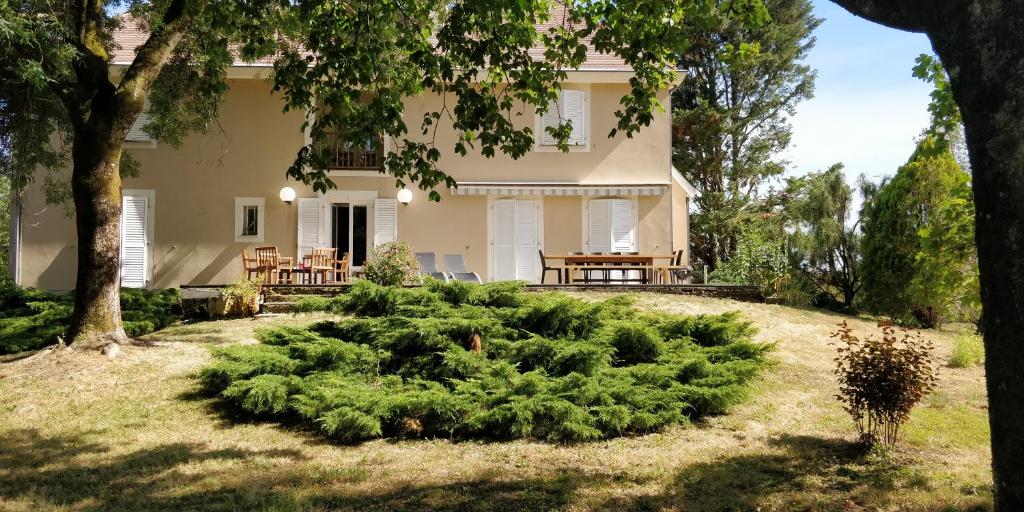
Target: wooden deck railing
{"type": "Point", "coordinates": [349, 155]}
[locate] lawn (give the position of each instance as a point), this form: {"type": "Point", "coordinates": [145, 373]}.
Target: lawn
{"type": "Point", "coordinates": [135, 433]}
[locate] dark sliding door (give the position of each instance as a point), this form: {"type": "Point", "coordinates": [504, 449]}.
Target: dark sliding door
{"type": "Point", "coordinates": [349, 231]}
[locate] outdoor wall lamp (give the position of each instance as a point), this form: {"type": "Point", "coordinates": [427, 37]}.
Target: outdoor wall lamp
{"type": "Point", "coordinates": [404, 196]}
{"type": "Point", "coordinates": [287, 194]}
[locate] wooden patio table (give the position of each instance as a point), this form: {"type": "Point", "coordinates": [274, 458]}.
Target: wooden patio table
{"type": "Point", "coordinates": [575, 263]}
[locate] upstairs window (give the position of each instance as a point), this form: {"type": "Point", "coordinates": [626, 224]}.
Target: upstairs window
{"type": "Point", "coordinates": [571, 107]}
{"type": "Point", "coordinates": [136, 133]}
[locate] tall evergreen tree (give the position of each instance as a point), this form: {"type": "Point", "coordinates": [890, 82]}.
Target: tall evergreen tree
{"type": "Point", "coordinates": [917, 265]}
{"type": "Point", "coordinates": [729, 116]}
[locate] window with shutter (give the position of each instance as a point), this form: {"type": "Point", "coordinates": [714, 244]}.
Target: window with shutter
{"type": "Point", "coordinates": [385, 221]}
{"type": "Point", "coordinates": [515, 239]}
{"type": "Point", "coordinates": [574, 111]}
{"type": "Point", "coordinates": [309, 226]}
{"type": "Point", "coordinates": [611, 225]}
{"type": "Point", "coordinates": [504, 238]}
{"type": "Point", "coordinates": [571, 107]}
{"type": "Point", "coordinates": [136, 132]}
{"type": "Point", "coordinates": [135, 237]}
{"type": "Point", "coordinates": [526, 241]}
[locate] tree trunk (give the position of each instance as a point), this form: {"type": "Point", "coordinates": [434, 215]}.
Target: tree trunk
{"type": "Point", "coordinates": [981, 45]}
{"type": "Point", "coordinates": [983, 57]}
{"type": "Point", "coordinates": [96, 189]}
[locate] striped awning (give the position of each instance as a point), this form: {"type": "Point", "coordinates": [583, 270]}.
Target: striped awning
{"type": "Point", "coordinates": [559, 189]}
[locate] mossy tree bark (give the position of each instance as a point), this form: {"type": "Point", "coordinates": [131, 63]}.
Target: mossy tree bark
{"type": "Point", "coordinates": [981, 44]}
{"type": "Point", "coordinates": [96, 189]}
{"type": "Point", "coordinates": [101, 114]}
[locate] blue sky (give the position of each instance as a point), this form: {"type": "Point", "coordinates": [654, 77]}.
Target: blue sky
{"type": "Point", "coordinates": [867, 108]}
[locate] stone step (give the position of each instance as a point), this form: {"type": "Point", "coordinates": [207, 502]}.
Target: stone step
{"type": "Point", "coordinates": [278, 307]}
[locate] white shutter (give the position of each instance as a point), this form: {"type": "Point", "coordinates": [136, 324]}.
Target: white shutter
{"type": "Point", "coordinates": [385, 221]}
{"type": "Point", "coordinates": [599, 230]}
{"type": "Point", "coordinates": [526, 241]}
{"type": "Point", "coordinates": [550, 118]}
{"type": "Point", "coordinates": [574, 110]}
{"type": "Point", "coordinates": [136, 133]}
{"type": "Point", "coordinates": [134, 241]}
{"type": "Point", "coordinates": [623, 226]}
{"type": "Point", "coordinates": [310, 220]}
{"type": "Point", "coordinates": [504, 233]}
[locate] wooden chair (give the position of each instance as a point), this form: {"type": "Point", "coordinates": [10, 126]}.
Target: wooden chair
{"type": "Point", "coordinates": [250, 266]}
{"type": "Point", "coordinates": [322, 262]}
{"type": "Point", "coordinates": [545, 268]}
{"type": "Point", "coordinates": [678, 271]}
{"type": "Point", "coordinates": [274, 268]}
{"type": "Point", "coordinates": [341, 269]}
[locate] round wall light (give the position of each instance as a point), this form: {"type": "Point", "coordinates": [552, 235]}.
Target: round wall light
{"type": "Point", "coordinates": [287, 194]}
{"type": "Point", "coordinates": [404, 196]}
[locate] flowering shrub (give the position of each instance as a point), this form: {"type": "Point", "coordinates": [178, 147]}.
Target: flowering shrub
{"type": "Point", "coordinates": [391, 264]}
{"type": "Point", "coordinates": [881, 380]}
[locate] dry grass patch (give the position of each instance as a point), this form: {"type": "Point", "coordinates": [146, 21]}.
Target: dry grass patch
{"type": "Point", "coordinates": [131, 434]}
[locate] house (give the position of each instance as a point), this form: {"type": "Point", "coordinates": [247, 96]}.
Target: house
{"type": "Point", "coordinates": [193, 209]}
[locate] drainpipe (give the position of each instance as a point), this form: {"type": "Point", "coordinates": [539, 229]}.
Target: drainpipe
{"type": "Point", "coordinates": [14, 249]}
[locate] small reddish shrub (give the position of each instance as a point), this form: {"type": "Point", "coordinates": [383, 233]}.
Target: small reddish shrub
{"type": "Point", "coordinates": [882, 379]}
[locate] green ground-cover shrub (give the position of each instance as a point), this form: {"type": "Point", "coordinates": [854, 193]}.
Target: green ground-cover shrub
{"type": "Point", "coordinates": [31, 318]}
{"type": "Point", "coordinates": [550, 367]}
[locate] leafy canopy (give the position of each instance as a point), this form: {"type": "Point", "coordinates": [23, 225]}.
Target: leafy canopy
{"type": "Point", "coordinates": [919, 251]}
{"type": "Point", "coordinates": [349, 64]}
{"type": "Point", "coordinates": [730, 116]}
{"type": "Point", "coordinates": [824, 240]}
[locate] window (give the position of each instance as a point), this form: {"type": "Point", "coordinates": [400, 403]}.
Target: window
{"type": "Point", "coordinates": [571, 108]}
{"type": "Point", "coordinates": [249, 217]}
{"type": "Point", "coordinates": [136, 135]}
{"type": "Point", "coordinates": [250, 220]}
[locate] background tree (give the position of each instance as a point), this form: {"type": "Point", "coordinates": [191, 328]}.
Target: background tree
{"type": "Point", "coordinates": [759, 257]}
{"type": "Point", "coordinates": [916, 264]}
{"type": "Point", "coordinates": [5, 228]}
{"type": "Point", "coordinates": [893, 220]}
{"type": "Point", "coordinates": [824, 239]}
{"type": "Point", "coordinates": [982, 46]}
{"type": "Point", "coordinates": [347, 63]}
{"type": "Point", "coordinates": [729, 116]}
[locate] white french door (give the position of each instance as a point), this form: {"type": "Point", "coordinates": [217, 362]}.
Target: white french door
{"type": "Point", "coordinates": [515, 240]}
{"type": "Point", "coordinates": [612, 227]}
{"type": "Point", "coordinates": [136, 237]}
{"type": "Point", "coordinates": [342, 220]}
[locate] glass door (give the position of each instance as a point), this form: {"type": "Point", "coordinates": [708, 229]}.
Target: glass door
{"type": "Point", "coordinates": [349, 230]}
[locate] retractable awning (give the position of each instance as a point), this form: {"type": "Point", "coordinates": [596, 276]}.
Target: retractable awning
{"type": "Point", "coordinates": [558, 189]}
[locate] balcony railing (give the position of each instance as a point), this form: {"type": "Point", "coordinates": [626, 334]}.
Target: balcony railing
{"type": "Point", "coordinates": [348, 155]}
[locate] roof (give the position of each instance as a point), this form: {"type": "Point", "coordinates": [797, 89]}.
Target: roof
{"type": "Point", "coordinates": [129, 36]}
{"type": "Point", "coordinates": [683, 182]}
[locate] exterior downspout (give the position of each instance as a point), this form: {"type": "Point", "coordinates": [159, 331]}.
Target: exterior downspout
{"type": "Point", "coordinates": [14, 250]}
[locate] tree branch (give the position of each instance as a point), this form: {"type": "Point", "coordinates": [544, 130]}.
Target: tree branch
{"type": "Point", "coordinates": [908, 15]}
{"type": "Point", "coordinates": [154, 54]}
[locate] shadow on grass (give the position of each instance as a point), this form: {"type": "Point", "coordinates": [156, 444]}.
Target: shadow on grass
{"type": "Point", "coordinates": [796, 473]}
{"type": "Point", "coordinates": [39, 472]}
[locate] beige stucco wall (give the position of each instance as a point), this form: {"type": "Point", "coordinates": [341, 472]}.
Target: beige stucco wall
{"type": "Point", "coordinates": [247, 154]}
{"type": "Point", "coordinates": [645, 158]}
{"type": "Point", "coordinates": [680, 221]}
